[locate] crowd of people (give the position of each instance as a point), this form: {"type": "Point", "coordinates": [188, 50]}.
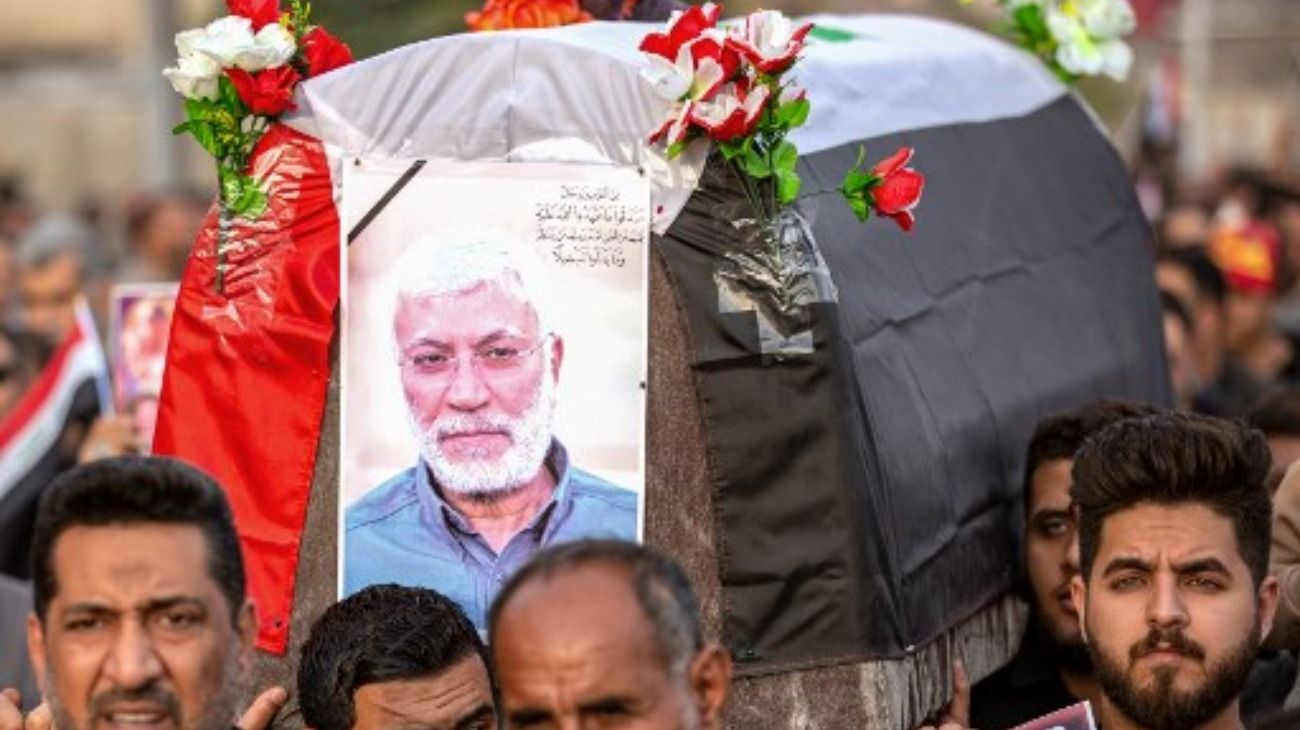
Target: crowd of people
{"type": "Point", "coordinates": [1161, 550]}
{"type": "Point", "coordinates": [1152, 563]}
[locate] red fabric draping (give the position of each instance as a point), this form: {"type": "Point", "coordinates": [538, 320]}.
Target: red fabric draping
{"type": "Point", "coordinates": [248, 367]}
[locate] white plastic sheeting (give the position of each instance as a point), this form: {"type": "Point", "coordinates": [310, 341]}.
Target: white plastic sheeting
{"type": "Point", "coordinates": [574, 94]}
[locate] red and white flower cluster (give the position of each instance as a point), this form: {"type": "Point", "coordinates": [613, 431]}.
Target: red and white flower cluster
{"type": "Point", "coordinates": [260, 50]}
{"type": "Point", "coordinates": [721, 81]}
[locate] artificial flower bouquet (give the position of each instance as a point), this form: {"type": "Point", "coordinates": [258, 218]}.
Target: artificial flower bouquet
{"type": "Point", "coordinates": [731, 86]}
{"type": "Point", "coordinates": [238, 75]}
{"type": "Point", "coordinates": [1075, 38]}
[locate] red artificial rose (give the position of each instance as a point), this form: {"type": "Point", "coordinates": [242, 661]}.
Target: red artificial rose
{"type": "Point", "coordinates": [324, 52]}
{"type": "Point", "coordinates": [506, 14]}
{"type": "Point", "coordinates": [733, 113]}
{"type": "Point", "coordinates": [725, 57]}
{"type": "Point", "coordinates": [899, 189]}
{"type": "Point", "coordinates": [752, 42]}
{"type": "Point", "coordinates": [684, 28]}
{"type": "Point", "coordinates": [261, 12]}
{"type": "Point", "coordinates": [268, 92]}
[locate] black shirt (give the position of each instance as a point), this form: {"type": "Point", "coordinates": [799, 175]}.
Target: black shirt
{"type": "Point", "coordinates": [1026, 689]}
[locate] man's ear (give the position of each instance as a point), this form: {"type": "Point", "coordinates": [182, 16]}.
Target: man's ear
{"type": "Point", "coordinates": [1079, 597]}
{"type": "Point", "coordinates": [1269, 594]}
{"type": "Point", "coordinates": [36, 650]}
{"type": "Point", "coordinates": [246, 627]}
{"type": "Point", "coordinates": [710, 677]}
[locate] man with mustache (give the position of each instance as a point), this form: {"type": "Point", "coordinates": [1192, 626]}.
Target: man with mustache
{"type": "Point", "coordinates": [140, 619]}
{"type": "Point", "coordinates": [479, 362]}
{"type": "Point", "coordinates": [1174, 594]}
{"type": "Point", "coordinates": [1051, 669]}
{"type": "Point", "coordinates": [605, 634]}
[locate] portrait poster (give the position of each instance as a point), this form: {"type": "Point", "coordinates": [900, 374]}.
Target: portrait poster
{"type": "Point", "coordinates": [1074, 717]}
{"type": "Point", "coordinates": [140, 319]}
{"type": "Point", "coordinates": [488, 413]}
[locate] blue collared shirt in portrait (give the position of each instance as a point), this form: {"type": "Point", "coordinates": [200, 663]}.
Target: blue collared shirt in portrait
{"type": "Point", "coordinates": [403, 532]}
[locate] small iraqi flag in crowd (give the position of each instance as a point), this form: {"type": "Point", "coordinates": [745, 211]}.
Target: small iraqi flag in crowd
{"type": "Point", "coordinates": [71, 390]}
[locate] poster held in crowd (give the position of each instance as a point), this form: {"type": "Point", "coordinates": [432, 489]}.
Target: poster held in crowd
{"type": "Point", "coordinates": [1074, 717]}
{"type": "Point", "coordinates": [493, 364]}
{"type": "Point", "coordinates": [140, 317]}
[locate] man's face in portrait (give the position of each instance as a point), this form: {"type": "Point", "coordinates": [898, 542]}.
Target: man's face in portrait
{"type": "Point", "coordinates": [1050, 557]}
{"type": "Point", "coordinates": [1172, 615]}
{"type": "Point", "coordinates": [479, 378]}
{"type": "Point", "coordinates": [139, 636]}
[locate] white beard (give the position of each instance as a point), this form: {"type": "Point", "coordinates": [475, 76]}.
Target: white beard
{"type": "Point", "coordinates": [487, 478]}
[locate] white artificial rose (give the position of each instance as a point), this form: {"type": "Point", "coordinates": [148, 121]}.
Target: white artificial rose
{"type": "Point", "coordinates": [1081, 59]}
{"type": "Point", "coordinates": [188, 40]}
{"type": "Point", "coordinates": [1107, 19]}
{"type": "Point", "coordinates": [1117, 59]}
{"type": "Point", "coordinates": [224, 39]}
{"type": "Point", "coordinates": [277, 43]}
{"type": "Point", "coordinates": [195, 77]}
{"type": "Point", "coordinates": [1075, 50]}
{"type": "Point", "coordinates": [670, 81]}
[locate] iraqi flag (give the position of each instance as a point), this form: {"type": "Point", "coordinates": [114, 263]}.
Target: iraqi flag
{"type": "Point", "coordinates": [70, 392]}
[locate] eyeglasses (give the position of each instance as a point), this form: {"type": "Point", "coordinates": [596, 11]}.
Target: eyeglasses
{"type": "Point", "coordinates": [493, 360]}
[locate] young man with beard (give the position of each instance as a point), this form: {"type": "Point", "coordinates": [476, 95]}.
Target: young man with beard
{"type": "Point", "coordinates": [140, 620]}
{"type": "Point", "coordinates": [391, 658]}
{"type": "Point", "coordinates": [479, 362]}
{"type": "Point", "coordinates": [1051, 670]}
{"type": "Point", "coordinates": [605, 634]}
{"type": "Point", "coordinates": [1174, 595]}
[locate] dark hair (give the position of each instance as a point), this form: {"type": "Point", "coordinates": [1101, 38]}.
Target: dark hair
{"type": "Point", "coordinates": [1277, 720]}
{"type": "Point", "coordinates": [135, 490]}
{"type": "Point", "coordinates": [1209, 280]}
{"type": "Point", "coordinates": [1060, 436]}
{"type": "Point", "coordinates": [1171, 459]}
{"type": "Point", "coordinates": [382, 633]}
{"type": "Point", "coordinates": [1277, 414]}
{"type": "Point", "coordinates": [662, 590]}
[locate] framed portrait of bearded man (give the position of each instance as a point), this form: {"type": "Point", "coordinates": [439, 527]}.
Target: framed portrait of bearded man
{"type": "Point", "coordinates": [493, 367]}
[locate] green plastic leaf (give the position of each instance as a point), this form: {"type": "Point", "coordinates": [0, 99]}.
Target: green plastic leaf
{"type": "Point", "coordinates": [1030, 20]}
{"type": "Point", "coordinates": [793, 114]}
{"type": "Point", "coordinates": [675, 149]}
{"type": "Point", "coordinates": [730, 149]}
{"type": "Point", "coordinates": [787, 186]}
{"type": "Point", "coordinates": [242, 195]}
{"type": "Point", "coordinates": [784, 157]}
{"type": "Point", "coordinates": [755, 165]}
{"type": "Point", "coordinates": [857, 181]}
{"type": "Point", "coordinates": [859, 207]}
{"type": "Point", "coordinates": [181, 128]}
{"type": "Point", "coordinates": [206, 136]}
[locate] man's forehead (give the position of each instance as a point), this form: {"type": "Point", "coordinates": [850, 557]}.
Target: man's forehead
{"type": "Point", "coordinates": [461, 685]}
{"type": "Point", "coordinates": [1049, 485]}
{"type": "Point", "coordinates": [1168, 535]}
{"type": "Point", "coordinates": [611, 603]}
{"type": "Point", "coordinates": [128, 563]}
{"type": "Point", "coordinates": [493, 306]}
